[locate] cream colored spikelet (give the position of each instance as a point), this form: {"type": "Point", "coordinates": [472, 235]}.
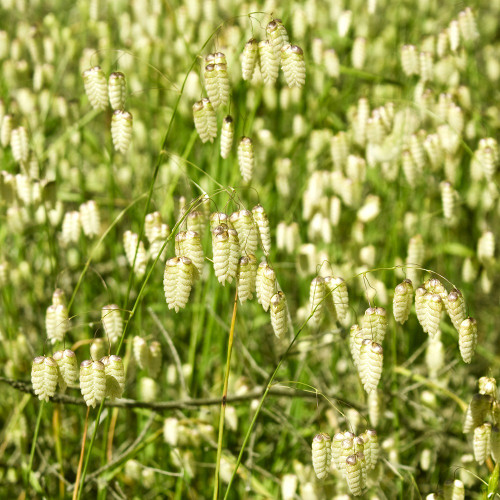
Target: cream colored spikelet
{"type": "Point", "coordinates": [56, 322]}
{"type": "Point", "coordinates": [374, 324]}
{"type": "Point", "coordinates": [454, 490]}
{"type": "Point", "coordinates": [317, 294]}
{"type": "Point", "coordinates": [115, 376]}
{"type": "Point", "coordinates": [371, 358]}
{"type": "Point", "coordinates": [117, 89]}
{"type": "Point", "coordinates": [44, 376]}
{"type": "Point", "coordinates": [433, 307]}
{"type": "Point", "coordinates": [467, 339]}
{"type": "Point", "coordinates": [477, 411]}
{"type": "Point", "coordinates": [98, 348]}
{"type": "Point", "coordinates": [481, 442]}
{"type": "Point", "coordinates": [248, 232]}
{"type": "Point", "coordinates": [355, 340]}
{"type": "Point", "coordinates": [374, 447]}
{"type": "Point", "coordinates": [192, 248]}
{"type": "Point", "coordinates": [178, 279]}
{"type": "Point", "coordinates": [249, 59]}
{"type": "Point", "coordinates": [112, 322]}
{"type": "Point", "coordinates": [260, 218]}
{"type": "Point", "coordinates": [294, 66]}
{"type": "Point", "coordinates": [374, 404]}
{"type": "Point", "coordinates": [403, 298]}
{"type": "Point", "coordinates": [346, 450]}
{"type": "Point", "coordinates": [217, 79]}
{"type": "Point", "coordinates": [488, 385]}
{"type": "Point", "coordinates": [455, 306]}
{"type": "Point", "coordinates": [336, 447]}
{"type": "Point", "coordinates": [71, 227]}
{"type": "Point", "coordinates": [6, 130]}
{"type": "Point", "coordinates": [279, 314]}
{"type": "Point", "coordinates": [219, 219]}
{"type": "Point", "coordinates": [277, 35]}
{"type": "Point", "coordinates": [205, 120]}
{"type": "Point", "coordinates": [19, 145]}
{"type": "Point", "coordinates": [354, 475]}
{"type": "Point", "coordinates": [196, 221]}
{"type": "Point", "coordinates": [92, 382]}
{"type": "Point", "coordinates": [226, 136]}
{"type": "Point", "coordinates": [68, 368]}
{"type": "Point", "coordinates": [340, 296]}
{"type": "Point", "coordinates": [96, 87]}
{"type": "Point", "coordinates": [90, 218]}
{"type": "Point", "coordinates": [420, 307]}
{"type": "Point", "coordinates": [121, 130]}
{"type": "Point", "coordinates": [247, 275]}
{"type": "Point", "coordinates": [321, 455]}
{"type": "Point", "coordinates": [265, 285]}
{"type": "Point", "coordinates": [234, 254]}
{"type": "Point", "coordinates": [246, 158]}
{"type": "Point", "coordinates": [269, 62]}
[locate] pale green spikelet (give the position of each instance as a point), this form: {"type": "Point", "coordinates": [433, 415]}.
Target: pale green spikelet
{"type": "Point", "coordinates": [371, 358]}
{"type": "Point", "coordinates": [336, 447]}
{"type": "Point", "coordinates": [355, 339]}
{"type": "Point", "coordinates": [249, 59]}
{"type": "Point", "coordinates": [178, 279]}
{"type": "Point", "coordinates": [217, 79]}
{"type": "Point", "coordinates": [294, 66]}
{"type": "Point", "coordinates": [205, 120]}
{"type": "Point", "coordinates": [96, 87]}
{"type": "Point", "coordinates": [433, 308]}
{"type": "Point", "coordinates": [265, 285]}
{"type": "Point", "coordinates": [482, 442]}
{"type": "Point", "coordinates": [247, 275]}
{"type": "Point", "coordinates": [219, 219]}
{"type": "Point", "coordinates": [192, 248]}
{"type": "Point", "coordinates": [121, 130]}
{"type": "Point", "coordinates": [269, 62]}
{"type": "Point", "coordinates": [44, 376]}
{"type": "Point", "coordinates": [279, 314]}
{"type": "Point", "coordinates": [403, 298]}
{"type": "Point", "coordinates": [454, 490]}
{"type": "Point", "coordinates": [488, 385]}
{"type": "Point", "coordinates": [262, 221]}
{"type": "Point", "coordinates": [92, 382]}
{"type": "Point", "coordinates": [278, 35]}
{"type": "Point", "coordinates": [467, 339]}
{"type": "Point", "coordinates": [117, 89]}
{"type": "Point", "coordinates": [246, 158]}
{"type": "Point", "coordinates": [455, 306]}
{"type": "Point", "coordinates": [317, 294]}
{"type": "Point", "coordinates": [340, 296]}
{"type": "Point", "coordinates": [476, 413]}
{"type": "Point", "coordinates": [346, 450]}
{"type": "Point", "coordinates": [354, 475]}
{"type": "Point", "coordinates": [375, 324]}
{"type": "Point", "coordinates": [247, 230]}
{"type": "Point", "coordinates": [321, 455]}
{"type": "Point", "coordinates": [98, 348]}
{"type": "Point", "coordinates": [115, 376]}
{"type": "Point", "coordinates": [374, 447]}
{"type": "Point", "coordinates": [112, 322]}
{"type": "Point", "coordinates": [141, 352]}
{"type": "Point", "coordinates": [226, 136]}
{"type": "Point", "coordinates": [68, 368]}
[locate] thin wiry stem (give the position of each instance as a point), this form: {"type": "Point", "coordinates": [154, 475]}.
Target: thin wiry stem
{"type": "Point", "coordinates": [82, 453]}
{"type": "Point", "coordinates": [224, 397]}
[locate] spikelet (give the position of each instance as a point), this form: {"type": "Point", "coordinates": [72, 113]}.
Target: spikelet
{"type": "Point", "coordinates": [355, 340]}
{"type": "Point", "coordinates": [294, 66]}
{"type": "Point", "coordinates": [151, 222]}
{"type": "Point", "coordinates": [217, 80]}
{"type": "Point", "coordinates": [340, 296]}
{"type": "Point", "coordinates": [115, 376]}
{"type": "Point", "coordinates": [71, 227]}
{"type": "Point", "coordinates": [347, 449]}
{"type": "Point", "coordinates": [265, 285]}
{"type": "Point", "coordinates": [455, 306]}
{"type": "Point", "coordinates": [92, 382]}
{"type": "Point", "coordinates": [56, 322]}
{"type": "Point", "coordinates": [433, 304]}
{"type": "Point", "coordinates": [141, 352]}
{"type": "Point", "coordinates": [467, 339]}
{"type": "Point", "coordinates": [260, 218]}
{"type": "Point", "coordinates": [117, 89]}
{"type": "Point", "coordinates": [247, 274]}
{"type": "Point", "coordinates": [279, 314]}
{"type": "Point", "coordinates": [19, 144]}
{"type": "Point", "coordinates": [112, 322]}
{"type": "Point", "coordinates": [317, 294]}
{"type": "Point", "coordinates": [416, 252]}
{"type": "Point", "coordinates": [354, 475]}
{"type": "Point", "coordinates": [269, 62]}
{"type": "Point", "coordinates": [154, 359]}
{"type": "Point", "coordinates": [482, 442]}
{"type": "Point", "coordinates": [121, 130]}
{"type": "Point", "coordinates": [246, 158]}
{"type": "Point", "coordinates": [409, 60]}
{"type": "Point", "coordinates": [44, 375]}
{"type": "Point", "coordinates": [67, 368]}
{"type": "Point", "coordinates": [58, 297]}
{"type": "Point", "coordinates": [98, 348]}
{"type": "Point", "coordinates": [321, 455]}
{"type": "Point", "coordinates": [468, 25]}
{"type": "Point", "coordinates": [374, 447]}
{"type": "Point", "coordinates": [90, 218]}
{"type": "Point", "coordinates": [488, 385]}
{"type": "Point", "coordinates": [205, 120]}
{"type": "Point", "coordinates": [248, 232]}
{"type": "Point", "coordinates": [336, 447]}
{"type": "Point", "coordinates": [371, 358]}
{"type": "Point", "coordinates": [221, 247]}
{"type": "Point", "coordinates": [192, 248]}
{"type": "Point", "coordinates": [178, 279]}
{"type": "Point", "coordinates": [358, 53]}
{"type": "Point", "coordinates": [234, 254]}
{"type": "Point", "coordinates": [249, 59]}
{"type": "Point", "coordinates": [6, 130]}
{"type": "Point", "coordinates": [420, 307]}
{"type": "Point", "coordinates": [278, 35]}
{"type": "Point", "coordinates": [486, 247]}
{"type": "Point", "coordinates": [454, 490]}
{"type": "Point", "coordinates": [132, 244]}
{"type": "Point", "coordinates": [226, 136]}
{"type": "Point", "coordinates": [403, 298]}
{"type": "Point", "coordinates": [96, 87]}
{"type": "Point", "coordinates": [478, 409]}
{"type": "Point", "coordinates": [374, 324]}
{"type": "Point", "coordinates": [434, 356]}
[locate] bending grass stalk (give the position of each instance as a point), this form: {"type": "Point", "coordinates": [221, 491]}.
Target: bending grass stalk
{"type": "Point", "coordinates": [56, 425]}
{"type": "Point", "coordinates": [224, 398]}
{"type": "Point", "coordinates": [33, 444]}
{"type": "Point", "coordinates": [84, 438]}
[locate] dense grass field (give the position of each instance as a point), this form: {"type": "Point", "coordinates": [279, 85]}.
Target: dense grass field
{"type": "Point", "coordinates": [122, 185]}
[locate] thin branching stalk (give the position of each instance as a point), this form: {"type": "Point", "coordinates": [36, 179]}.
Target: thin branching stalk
{"type": "Point", "coordinates": [224, 397]}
